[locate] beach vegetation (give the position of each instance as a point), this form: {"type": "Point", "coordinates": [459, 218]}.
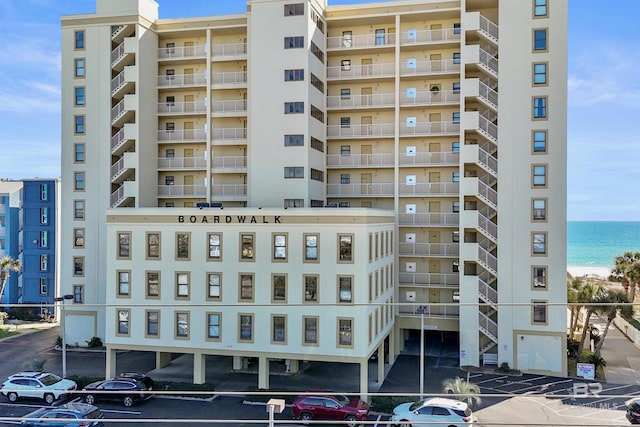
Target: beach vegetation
{"type": "Point", "coordinates": [613, 301]}
{"type": "Point", "coordinates": [7, 264]}
{"type": "Point", "coordinates": [463, 390]}
{"type": "Point", "coordinates": [626, 271]}
{"type": "Point", "coordinates": [588, 297]}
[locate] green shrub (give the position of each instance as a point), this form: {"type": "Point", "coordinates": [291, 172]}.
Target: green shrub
{"type": "Point", "coordinates": [95, 342]}
{"type": "Point", "coordinates": [385, 404]}
{"type": "Point", "coordinates": [83, 381]}
{"type": "Point", "coordinates": [4, 316]}
{"type": "Point", "coordinates": [37, 365]}
{"type": "Point", "coordinates": [59, 342]}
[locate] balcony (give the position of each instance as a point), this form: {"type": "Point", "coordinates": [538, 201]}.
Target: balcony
{"type": "Point", "coordinates": [123, 111]}
{"type": "Point", "coordinates": [416, 37]}
{"type": "Point", "coordinates": [187, 135]}
{"type": "Point", "coordinates": [229, 191]}
{"type": "Point", "coordinates": [429, 128]}
{"type": "Point", "coordinates": [230, 163]}
{"type": "Point", "coordinates": [182, 80]}
{"type": "Point", "coordinates": [123, 139]}
{"type": "Point", "coordinates": [377, 189]}
{"type": "Point", "coordinates": [361, 71]}
{"type": "Point", "coordinates": [426, 98]}
{"type": "Point", "coordinates": [430, 159]}
{"type": "Point", "coordinates": [229, 135]}
{"type": "Point", "coordinates": [123, 82]}
{"type": "Point", "coordinates": [229, 52]}
{"type": "Point", "coordinates": [420, 68]}
{"type": "Point", "coordinates": [180, 163]}
{"type": "Point", "coordinates": [191, 107]}
{"type": "Point", "coordinates": [229, 107]}
{"type": "Point", "coordinates": [435, 309]}
{"type": "Point", "coordinates": [430, 249]}
{"type": "Point", "coordinates": [337, 102]}
{"type": "Point", "coordinates": [358, 160]}
{"type": "Point", "coordinates": [426, 219]}
{"type": "Point", "coordinates": [350, 42]}
{"type": "Point", "coordinates": [430, 188]}
{"type": "Point", "coordinates": [182, 190]}
{"type": "Point", "coordinates": [186, 52]}
{"type": "Point", "coordinates": [229, 80]}
{"type": "Point", "coordinates": [363, 130]}
{"type": "Point", "coordinates": [123, 54]}
{"type": "Point", "coordinates": [436, 280]}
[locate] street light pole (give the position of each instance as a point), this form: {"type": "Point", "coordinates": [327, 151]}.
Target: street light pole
{"type": "Point", "coordinates": [421, 355]}
{"type": "Point", "coordinates": [62, 331]}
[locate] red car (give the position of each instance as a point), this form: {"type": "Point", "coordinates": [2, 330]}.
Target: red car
{"type": "Point", "coordinates": [310, 407]}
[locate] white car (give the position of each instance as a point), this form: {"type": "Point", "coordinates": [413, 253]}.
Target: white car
{"type": "Point", "coordinates": [434, 412]}
{"type": "Point", "coordinates": [40, 385]}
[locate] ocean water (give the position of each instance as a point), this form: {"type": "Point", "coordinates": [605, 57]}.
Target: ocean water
{"type": "Point", "coordinates": [593, 245]}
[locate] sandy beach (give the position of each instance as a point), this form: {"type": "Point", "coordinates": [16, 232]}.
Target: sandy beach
{"type": "Point", "coordinates": [593, 272]}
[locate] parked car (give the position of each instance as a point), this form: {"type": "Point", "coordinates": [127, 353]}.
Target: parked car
{"type": "Point", "coordinates": [320, 407]}
{"type": "Point", "coordinates": [633, 410]}
{"type": "Point", "coordinates": [128, 388]}
{"type": "Point", "coordinates": [40, 385]}
{"type": "Point", "coordinates": [435, 412]}
{"type": "Point", "coordinates": [72, 413]}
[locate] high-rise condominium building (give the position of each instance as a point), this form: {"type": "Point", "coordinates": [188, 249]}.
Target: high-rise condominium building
{"type": "Point", "coordinates": [313, 182]}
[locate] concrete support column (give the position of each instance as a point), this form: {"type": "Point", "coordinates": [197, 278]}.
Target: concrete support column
{"type": "Point", "coordinates": [110, 366]}
{"type": "Point", "coordinates": [263, 373]}
{"type": "Point", "coordinates": [199, 368]}
{"type": "Point", "coordinates": [237, 363]}
{"type": "Point", "coordinates": [364, 379]}
{"type": "Point", "coordinates": [380, 365]}
{"type": "Point", "coordinates": [294, 366]}
{"type": "Point", "coordinates": [392, 346]}
{"type": "Point", "coordinates": [162, 359]}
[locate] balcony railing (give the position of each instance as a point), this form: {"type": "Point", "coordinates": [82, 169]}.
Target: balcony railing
{"type": "Point", "coordinates": [428, 67]}
{"type": "Point", "coordinates": [182, 163]}
{"type": "Point", "coordinates": [430, 158]}
{"type": "Point", "coordinates": [230, 78]}
{"type": "Point", "coordinates": [117, 111]}
{"type": "Point", "coordinates": [219, 51]}
{"type": "Point", "coordinates": [489, 95]}
{"type": "Point", "coordinates": [230, 106]}
{"type": "Point", "coordinates": [182, 190]}
{"type": "Point", "coordinates": [446, 280]}
{"type": "Point", "coordinates": [487, 193]}
{"type": "Point", "coordinates": [228, 162]}
{"type": "Point", "coordinates": [182, 107]}
{"type": "Point", "coordinates": [490, 129]}
{"type": "Point", "coordinates": [179, 80]}
{"type": "Point", "coordinates": [430, 97]}
{"type": "Point", "coordinates": [429, 128]}
{"type": "Point", "coordinates": [489, 27]}
{"type": "Point", "coordinates": [364, 130]}
{"type": "Point", "coordinates": [117, 196]}
{"type": "Point", "coordinates": [430, 310]}
{"type": "Point", "coordinates": [487, 259]}
{"type": "Point", "coordinates": [421, 219]}
{"type": "Point", "coordinates": [182, 135]}
{"type": "Point", "coordinates": [359, 101]}
{"type": "Point", "coordinates": [229, 133]}
{"type": "Point", "coordinates": [489, 61]}
{"type": "Point", "coordinates": [430, 249]}
{"type": "Point", "coordinates": [357, 160]}
{"type": "Point", "coordinates": [487, 293]}
{"type": "Point", "coordinates": [182, 52]}
{"type": "Point", "coordinates": [488, 160]}
{"type": "Point", "coordinates": [371, 189]}
{"type": "Point", "coordinates": [427, 188]}
{"type": "Point", "coordinates": [117, 168]}
{"type": "Point", "coordinates": [358, 71]}
{"type": "Point", "coordinates": [229, 190]}
{"type": "Point", "coordinates": [429, 36]}
{"type": "Point", "coordinates": [117, 53]}
{"type": "Point", "coordinates": [488, 325]}
{"type": "Point", "coordinates": [361, 41]}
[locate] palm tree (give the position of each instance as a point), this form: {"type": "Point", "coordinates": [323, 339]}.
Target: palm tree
{"type": "Point", "coordinates": [573, 293]}
{"type": "Point", "coordinates": [614, 300]}
{"type": "Point", "coordinates": [590, 296]}
{"type": "Point", "coordinates": [627, 271]}
{"type": "Point", "coordinates": [463, 390]}
{"type": "Point", "coordinates": [7, 264]}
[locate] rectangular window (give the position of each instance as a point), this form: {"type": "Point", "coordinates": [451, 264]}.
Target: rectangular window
{"type": "Point", "coordinates": [79, 95]}
{"type": "Point", "coordinates": [539, 175]}
{"type": "Point", "coordinates": [317, 83]}
{"type": "Point", "coordinates": [124, 245]}
{"type": "Point", "coordinates": [293, 172]}
{"type": "Point", "coordinates": [540, 40]}
{"type": "Point", "coordinates": [78, 181]}
{"type": "Point", "coordinates": [294, 9]}
{"type": "Point", "coordinates": [44, 192]}
{"type": "Point", "coordinates": [456, 57]}
{"type": "Point", "coordinates": [539, 208]}
{"type": "Point", "coordinates": [540, 73]}
{"type": "Point", "coordinates": [214, 286]}
{"type": "Point", "coordinates": [317, 52]}
{"type": "Point", "coordinates": [455, 206]}
{"type": "Point", "coordinates": [311, 288]}
{"type": "Point", "coordinates": [311, 248]}
{"type": "Point", "coordinates": [44, 262]}
{"type": "Point", "coordinates": [345, 178]}
{"type": "Point", "coordinates": [79, 124]}
{"type": "Point", "coordinates": [79, 66]}
{"type": "Point", "coordinates": [123, 322]}
{"type": "Point", "coordinates": [294, 42]}
{"type": "Point", "coordinates": [170, 48]}
{"type": "Point", "coordinates": [79, 37]}
{"type": "Point", "coordinates": [44, 288]}
{"type": "Point", "coordinates": [345, 248]}
{"type": "Point", "coordinates": [455, 177]}
{"type": "Point", "coordinates": [78, 266]}
{"type": "Point", "coordinates": [540, 107]}
{"type": "Point", "coordinates": [345, 65]}
{"type": "Point", "coordinates": [345, 332]}
{"type": "Point", "coordinates": [153, 245]}
{"type": "Point", "coordinates": [345, 93]}
{"type": "Point", "coordinates": [153, 284]}
{"type": "Point", "coordinates": [294, 107]}
{"type": "Point", "coordinates": [182, 325]}
{"type": "Point", "coordinates": [279, 329]}
{"type": "Point", "coordinates": [317, 113]}
{"type": "Point", "coordinates": [294, 140]}
{"type": "Point", "coordinates": [246, 327]}
{"type": "Point", "coordinates": [78, 209]}
{"type": "Point", "coordinates": [539, 277]}
{"type": "Point", "coordinates": [278, 288]}
{"type": "Point", "coordinates": [345, 122]}
{"type": "Point", "coordinates": [78, 294]}
{"type": "Point", "coordinates": [345, 150]}
{"type": "Point", "coordinates": [213, 326]}
{"type": "Point", "coordinates": [215, 247]}
{"type": "Point", "coordinates": [345, 289]}
{"type": "Point", "coordinates": [455, 117]}
{"type": "Point", "coordinates": [169, 180]}
{"type": "Point", "coordinates": [170, 101]}
{"type": "Point", "coordinates": [540, 8]}
{"type": "Point", "coordinates": [455, 147]}
{"type": "Point", "coordinates": [182, 285]}
{"type": "Point", "coordinates": [182, 246]}
{"type": "Point", "coordinates": [78, 153]}
{"type": "Point", "coordinates": [246, 288]}
{"type": "Point", "coordinates": [456, 28]}
{"type": "Point", "coordinates": [247, 246]}
{"type": "Point", "coordinates": [317, 175]}
{"type": "Point", "coordinates": [279, 247]}
{"type": "Point", "coordinates": [294, 75]}
{"type": "Point", "coordinates": [293, 203]}
{"type": "Point", "coordinates": [153, 323]}
{"type": "Point", "coordinates": [170, 74]}
{"type": "Point", "coordinates": [539, 312]}
{"type": "Point", "coordinates": [539, 143]}
{"type": "Point", "coordinates": [539, 243]}
{"type": "Point", "coordinates": [310, 330]}
{"type": "Point", "coordinates": [44, 215]}
{"type": "Point", "coordinates": [78, 237]}
{"type": "Point", "coordinates": [455, 236]}
{"type": "Point", "coordinates": [456, 87]}
{"type": "Point", "coordinates": [316, 144]}
{"type": "Point", "coordinates": [123, 283]}
{"type": "Point", "coordinates": [380, 37]}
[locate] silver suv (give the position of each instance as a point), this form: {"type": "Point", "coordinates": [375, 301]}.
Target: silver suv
{"type": "Point", "coordinates": [40, 385]}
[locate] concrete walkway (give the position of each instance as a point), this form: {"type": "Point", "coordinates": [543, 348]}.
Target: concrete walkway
{"type": "Point", "coordinates": [620, 353]}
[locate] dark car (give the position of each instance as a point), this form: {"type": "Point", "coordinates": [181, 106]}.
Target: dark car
{"type": "Point", "coordinates": [633, 410]}
{"type": "Point", "coordinates": [128, 388]}
{"type": "Point", "coordinates": [321, 407]}
{"type": "Point", "coordinates": [69, 415]}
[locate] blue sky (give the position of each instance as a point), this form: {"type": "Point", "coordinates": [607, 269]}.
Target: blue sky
{"type": "Point", "coordinates": [603, 109]}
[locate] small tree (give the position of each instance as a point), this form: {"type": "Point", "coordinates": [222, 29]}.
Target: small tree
{"type": "Point", "coordinates": [463, 390]}
{"type": "Point", "coordinates": [7, 264]}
